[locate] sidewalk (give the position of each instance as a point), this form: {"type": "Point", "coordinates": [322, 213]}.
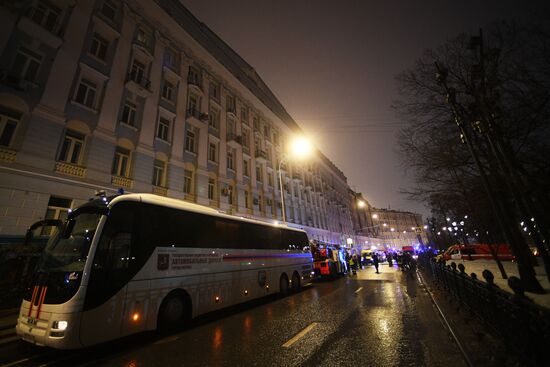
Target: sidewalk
{"type": "Point", "coordinates": [8, 319]}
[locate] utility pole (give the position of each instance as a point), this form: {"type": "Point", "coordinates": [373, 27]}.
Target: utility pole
{"type": "Point", "coordinates": [525, 267]}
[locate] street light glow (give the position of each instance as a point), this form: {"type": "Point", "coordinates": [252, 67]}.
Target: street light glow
{"type": "Point", "coordinates": [300, 147]}
{"type": "Point", "coordinates": [375, 216]}
{"type": "Point", "coordinates": [361, 204]}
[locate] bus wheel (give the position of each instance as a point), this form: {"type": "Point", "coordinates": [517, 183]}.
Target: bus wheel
{"type": "Point", "coordinates": [174, 312]}
{"type": "Point", "coordinates": [295, 282]}
{"type": "Point", "coordinates": [283, 284]}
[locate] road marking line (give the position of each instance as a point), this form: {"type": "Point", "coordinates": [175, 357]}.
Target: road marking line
{"type": "Point", "coordinates": [16, 362]}
{"type": "Point", "coordinates": [166, 340]}
{"type": "Point", "coordinates": [300, 335]}
{"type": "Point", "coordinates": [359, 289]}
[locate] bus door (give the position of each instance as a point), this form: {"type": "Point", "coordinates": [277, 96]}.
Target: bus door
{"type": "Point", "coordinates": [104, 306]}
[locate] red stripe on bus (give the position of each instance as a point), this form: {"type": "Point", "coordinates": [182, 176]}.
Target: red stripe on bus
{"type": "Point", "coordinates": [34, 292]}
{"type": "Point", "coordinates": [42, 296]}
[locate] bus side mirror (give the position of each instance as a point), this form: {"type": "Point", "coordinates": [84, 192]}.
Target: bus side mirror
{"type": "Point", "coordinates": [41, 223]}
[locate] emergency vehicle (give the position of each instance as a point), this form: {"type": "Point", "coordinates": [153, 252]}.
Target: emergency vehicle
{"type": "Point", "coordinates": [481, 251]}
{"type": "Point", "coordinates": [328, 260]}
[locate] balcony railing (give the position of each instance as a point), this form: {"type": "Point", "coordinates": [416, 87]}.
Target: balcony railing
{"type": "Point", "coordinates": [139, 80]}
{"type": "Point", "coordinates": [232, 137]}
{"type": "Point", "coordinates": [194, 80]}
{"type": "Point", "coordinates": [7, 155]}
{"type": "Point", "coordinates": [122, 181]}
{"type": "Point", "coordinates": [261, 154]}
{"type": "Point", "coordinates": [70, 169]}
{"type": "Point", "coordinates": [159, 190]}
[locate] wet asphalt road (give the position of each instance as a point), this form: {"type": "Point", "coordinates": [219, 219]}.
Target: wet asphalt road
{"type": "Point", "coordinates": [370, 319]}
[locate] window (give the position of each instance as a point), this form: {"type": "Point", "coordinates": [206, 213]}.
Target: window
{"type": "Point", "coordinates": [267, 132]}
{"type": "Point", "coordinates": [158, 173]}
{"type": "Point", "coordinates": [58, 208]}
{"type": "Point", "coordinates": [214, 91]}
{"type": "Point", "coordinates": [270, 179]}
{"type": "Point", "coordinates": [120, 162]}
{"type": "Point", "coordinates": [137, 72]}
{"type": "Point", "coordinates": [190, 141]}
{"type": "Point", "coordinates": [230, 164]}
{"type": "Point", "coordinates": [163, 129]}
{"type": "Point", "coordinates": [213, 152]}
{"type": "Point", "coordinates": [8, 124]}
{"type": "Point", "coordinates": [244, 115]}
{"type": "Point", "coordinates": [259, 172]}
{"type": "Point", "coordinates": [170, 58]}
{"type": "Point", "coordinates": [260, 202]}
{"type": "Point", "coordinates": [194, 76]}
{"type": "Point", "coordinates": [256, 123]}
{"type": "Point", "coordinates": [211, 188]}
{"type": "Point", "coordinates": [230, 195]}
{"type": "Point", "coordinates": [46, 15]}
{"type": "Point", "coordinates": [246, 167]}
{"type": "Point", "coordinates": [246, 138]}
{"type": "Point", "coordinates": [71, 148]}
{"type": "Point", "coordinates": [143, 37]}
{"type": "Point", "coordinates": [275, 138]}
{"type": "Point", "coordinates": [86, 92]}
{"type": "Point", "coordinates": [230, 104]}
{"type": "Point", "coordinates": [129, 114]}
{"type": "Point", "coordinates": [26, 64]}
{"type": "Point", "coordinates": [268, 153]}
{"type": "Point", "coordinates": [194, 105]}
{"type": "Point", "coordinates": [167, 91]}
{"type": "Point", "coordinates": [214, 118]}
{"type": "Point", "coordinates": [108, 9]}
{"type": "Point", "coordinates": [98, 47]}
{"type": "Point", "coordinates": [187, 181]}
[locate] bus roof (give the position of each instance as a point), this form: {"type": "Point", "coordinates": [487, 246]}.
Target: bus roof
{"type": "Point", "coordinates": [192, 207]}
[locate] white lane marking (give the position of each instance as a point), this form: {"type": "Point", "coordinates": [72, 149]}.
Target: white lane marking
{"type": "Point", "coordinates": [300, 335]}
{"type": "Point", "coordinates": [359, 289]}
{"type": "Point", "coordinates": [16, 362]}
{"type": "Point", "coordinates": [166, 340]}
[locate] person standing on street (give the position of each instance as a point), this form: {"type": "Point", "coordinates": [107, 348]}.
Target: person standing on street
{"type": "Point", "coordinates": [375, 262]}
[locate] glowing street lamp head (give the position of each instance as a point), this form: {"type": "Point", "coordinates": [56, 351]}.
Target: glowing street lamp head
{"type": "Point", "coordinates": [361, 204]}
{"type": "Point", "coordinates": [375, 216]}
{"type": "Point", "coordinates": [300, 147]}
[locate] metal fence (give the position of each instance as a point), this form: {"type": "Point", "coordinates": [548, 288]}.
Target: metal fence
{"type": "Point", "coordinates": [523, 325]}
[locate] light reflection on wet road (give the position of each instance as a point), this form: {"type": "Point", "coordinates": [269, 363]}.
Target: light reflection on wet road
{"type": "Point", "coordinates": [389, 322]}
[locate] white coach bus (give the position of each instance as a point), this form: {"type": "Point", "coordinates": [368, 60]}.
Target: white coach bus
{"type": "Point", "coordinates": [137, 262]}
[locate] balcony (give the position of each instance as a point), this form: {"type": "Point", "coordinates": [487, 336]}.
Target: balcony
{"type": "Point", "coordinates": [194, 80]}
{"type": "Point", "coordinates": [16, 82]}
{"type": "Point", "coordinates": [7, 155]}
{"type": "Point", "coordinates": [234, 140]}
{"type": "Point", "coordinates": [120, 181]}
{"type": "Point", "coordinates": [192, 112]}
{"type": "Point", "coordinates": [159, 190]}
{"type": "Point", "coordinates": [261, 155]}
{"type": "Point", "coordinates": [139, 85]}
{"type": "Point", "coordinates": [70, 169]}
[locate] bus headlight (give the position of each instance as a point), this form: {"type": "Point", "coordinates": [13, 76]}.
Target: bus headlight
{"type": "Point", "coordinates": [59, 325]}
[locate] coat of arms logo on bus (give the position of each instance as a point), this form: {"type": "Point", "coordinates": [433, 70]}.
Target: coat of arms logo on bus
{"type": "Point", "coordinates": [163, 261]}
{"type": "Point", "coordinates": [261, 278]}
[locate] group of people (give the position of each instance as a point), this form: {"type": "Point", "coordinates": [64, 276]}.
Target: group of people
{"type": "Point", "coordinates": [404, 260]}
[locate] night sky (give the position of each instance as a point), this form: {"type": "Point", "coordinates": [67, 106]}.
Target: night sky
{"type": "Point", "coordinates": [332, 65]}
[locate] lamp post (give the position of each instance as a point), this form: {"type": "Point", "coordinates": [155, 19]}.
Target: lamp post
{"type": "Point", "coordinates": [300, 147]}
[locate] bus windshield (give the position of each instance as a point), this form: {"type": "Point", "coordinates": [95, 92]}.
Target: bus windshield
{"type": "Point", "coordinates": [68, 247]}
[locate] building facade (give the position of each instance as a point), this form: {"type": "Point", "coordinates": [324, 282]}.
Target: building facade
{"type": "Point", "coordinates": [139, 95]}
{"type": "Point", "coordinates": [396, 229]}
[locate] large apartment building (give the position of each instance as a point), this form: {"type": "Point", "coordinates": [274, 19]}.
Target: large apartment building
{"type": "Point", "coordinates": [140, 95]}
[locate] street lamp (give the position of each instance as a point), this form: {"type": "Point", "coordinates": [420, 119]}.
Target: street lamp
{"type": "Point", "coordinates": [300, 148]}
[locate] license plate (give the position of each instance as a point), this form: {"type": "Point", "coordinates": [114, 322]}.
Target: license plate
{"type": "Point", "coordinates": [32, 321]}
{"type": "Point", "coordinates": [29, 338]}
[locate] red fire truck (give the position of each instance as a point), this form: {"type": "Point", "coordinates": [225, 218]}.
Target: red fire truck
{"type": "Point", "coordinates": [328, 260]}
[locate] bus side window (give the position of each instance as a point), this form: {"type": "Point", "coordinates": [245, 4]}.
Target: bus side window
{"type": "Point", "coordinates": [119, 250]}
